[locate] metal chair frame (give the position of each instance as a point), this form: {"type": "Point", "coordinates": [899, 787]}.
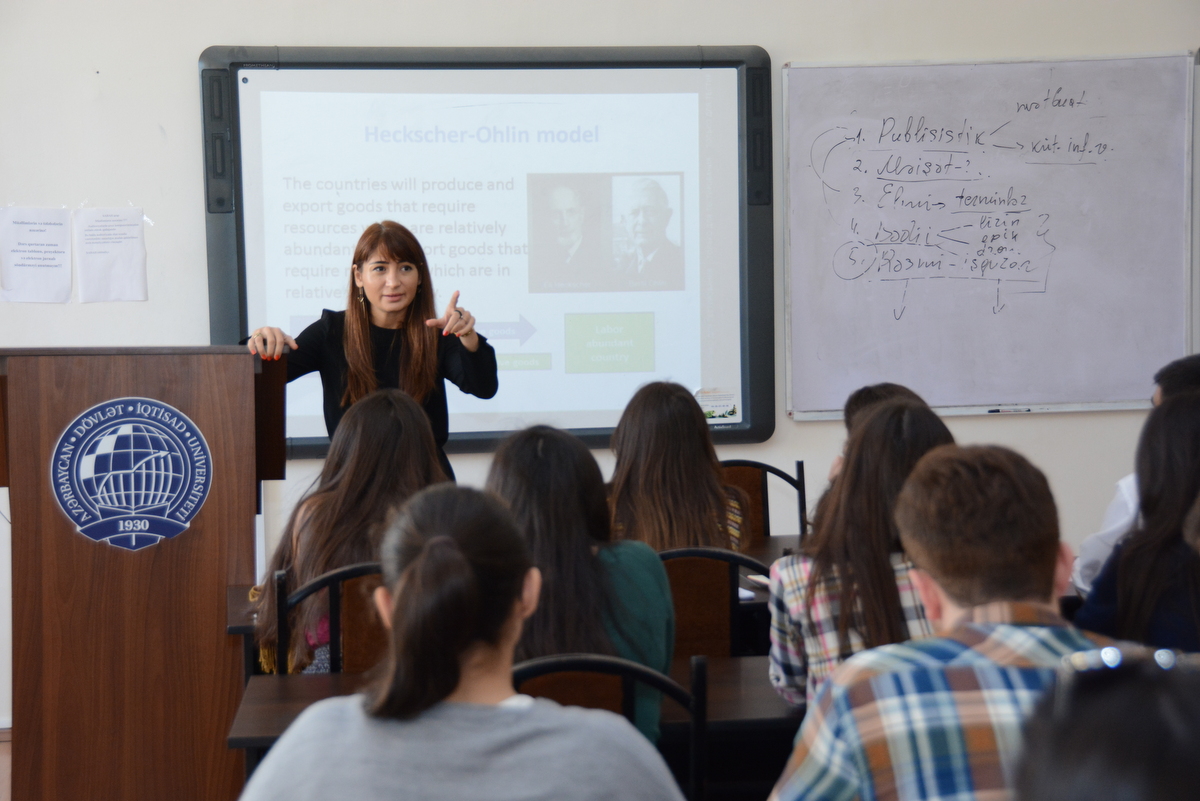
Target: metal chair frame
{"type": "Point", "coordinates": [695, 702]}
{"type": "Point", "coordinates": [795, 482]}
{"type": "Point", "coordinates": [332, 581]}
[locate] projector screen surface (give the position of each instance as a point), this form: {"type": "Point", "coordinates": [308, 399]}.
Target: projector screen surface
{"type": "Point", "coordinates": [588, 218]}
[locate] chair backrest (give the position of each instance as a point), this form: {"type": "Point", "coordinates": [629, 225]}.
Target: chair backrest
{"type": "Point", "coordinates": [704, 590]}
{"type": "Point", "coordinates": [751, 477]}
{"type": "Point", "coordinates": [354, 628]}
{"type": "Point", "coordinates": [567, 678]}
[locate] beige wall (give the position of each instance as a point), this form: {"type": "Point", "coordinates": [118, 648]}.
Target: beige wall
{"type": "Point", "coordinates": [99, 106]}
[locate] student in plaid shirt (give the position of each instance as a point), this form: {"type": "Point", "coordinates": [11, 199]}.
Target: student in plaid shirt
{"type": "Point", "coordinates": [941, 717]}
{"type": "Point", "coordinates": [850, 590]}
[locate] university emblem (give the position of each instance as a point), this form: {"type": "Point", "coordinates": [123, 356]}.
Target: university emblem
{"type": "Point", "coordinates": [131, 472]}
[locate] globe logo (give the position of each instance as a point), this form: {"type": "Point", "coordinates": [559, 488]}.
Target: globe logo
{"type": "Point", "coordinates": [131, 472]}
{"type": "Point", "coordinates": [131, 468]}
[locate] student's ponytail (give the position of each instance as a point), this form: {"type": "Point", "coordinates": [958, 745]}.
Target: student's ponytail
{"type": "Point", "coordinates": [456, 566]}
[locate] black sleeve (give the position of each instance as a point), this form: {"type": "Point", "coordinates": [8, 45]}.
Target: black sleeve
{"type": "Point", "coordinates": [311, 344]}
{"type": "Point", "coordinates": [1099, 610]}
{"type": "Point", "coordinates": [473, 373]}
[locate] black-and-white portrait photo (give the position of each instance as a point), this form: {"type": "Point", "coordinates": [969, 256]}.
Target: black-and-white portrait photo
{"type": "Point", "coordinates": [648, 231]}
{"type": "Point", "coordinates": [570, 233]}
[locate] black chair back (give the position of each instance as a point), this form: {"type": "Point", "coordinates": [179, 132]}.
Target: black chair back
{"type": "Point", "coordinates": [751, 477]}
{"type": "Point", "coordinates": [704, 590]}
{"type": "Point", "coordinates": [632, 673]}
{"type": "Point", "coordinates": [284, 603]}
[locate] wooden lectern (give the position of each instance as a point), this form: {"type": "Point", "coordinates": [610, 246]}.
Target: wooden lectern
{"type": "Point", "coordinates": [124, 681]}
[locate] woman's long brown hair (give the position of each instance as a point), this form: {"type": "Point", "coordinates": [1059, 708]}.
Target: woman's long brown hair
{"type": "Point", "coordinates": [854, 535]}
{"type": "Point", "coordinates": [382, 452]}
{"type": "Point", "coordinates": [418, 357]}
{"type": "Point", "coordinates": [552, 484]}
{"type": "Point", "coordinates": [666, 488]}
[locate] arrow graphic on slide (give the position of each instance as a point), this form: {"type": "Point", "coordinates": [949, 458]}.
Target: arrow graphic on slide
{"type": "Point", "coordinates": [522, 329]}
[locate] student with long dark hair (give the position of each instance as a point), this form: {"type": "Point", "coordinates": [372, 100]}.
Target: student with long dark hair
{"type": "Point", "coordinates": [666, 488]}
{"type": "Point", "coordinates": [1178, 377]}
{"type": "Point", "coordinates": [1149, 589]}
{"type": "Point", "coordinates": [381, 454]}
{"type": "Point", "coordinates": [598, 596]}
{"type": "Point", "coordinates": [849, 589]}
{"type": "Point", "coordinates": [443, 721]}
{"type": "Point", "coordinates": [389, 336]}
{"type": "Point", "coordinates": [859, 402]}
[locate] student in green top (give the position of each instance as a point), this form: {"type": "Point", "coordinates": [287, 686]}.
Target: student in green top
{"type": "Point", "coordinates": [598, 596]}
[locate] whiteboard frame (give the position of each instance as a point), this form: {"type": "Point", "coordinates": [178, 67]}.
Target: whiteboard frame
{"type": "Point", "coordinates": [1191, 241]}
{"type": "Point", "coordinates": [220, 108]}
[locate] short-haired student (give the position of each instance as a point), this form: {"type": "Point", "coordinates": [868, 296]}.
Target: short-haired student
{"type": "Point", "coordinates": [940, 717]}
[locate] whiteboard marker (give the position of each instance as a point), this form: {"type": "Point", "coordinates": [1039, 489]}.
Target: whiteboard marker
{"type": "Point", "coordinates": [1007, 411]}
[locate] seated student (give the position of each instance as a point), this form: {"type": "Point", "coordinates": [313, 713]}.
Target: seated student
{"type": "Point", "coordinates": [442, 721]}
{"type": "Point", "coordinates": [864, 398]}
{"type": "Point", "coordinates": [849, 588]}
{"type": "Point", "coordinates": [1181, 375]}
{"type": "Point", "coordinates": [598, 596]}
{"type": "Point", "coordinates": [382, 452]}
{"type": "Point", "coordinates": [860, 401]}
{"type": "Point", "coordinates": [1123, 725]}
{"type": "Point", "coordinates": [940, 717]}
{"type": "Point", "coordinates": [1149, 589]}
{"type": "Point", "coordinates": [666, 488]}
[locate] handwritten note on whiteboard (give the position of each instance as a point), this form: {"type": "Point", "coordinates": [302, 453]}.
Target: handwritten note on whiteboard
{"type": "Point", "coordinates": [988, 234]}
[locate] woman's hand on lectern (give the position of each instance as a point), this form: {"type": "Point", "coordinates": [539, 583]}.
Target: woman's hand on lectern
{"type": "Point", "coordinates": [459, 322]}
{"type": "Point", "coordinates": [269, 342]}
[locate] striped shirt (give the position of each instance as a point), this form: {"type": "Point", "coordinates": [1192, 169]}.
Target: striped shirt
{"type": "Point", "coordinates": [733, 519]}
{"type": "Point", "coordinates": [804, 637]}
{"type": "Point", "coordinates": [938, 718]}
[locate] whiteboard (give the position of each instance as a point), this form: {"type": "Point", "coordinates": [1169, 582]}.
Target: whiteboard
{"type": "Point", "coordinates": [990, 235]}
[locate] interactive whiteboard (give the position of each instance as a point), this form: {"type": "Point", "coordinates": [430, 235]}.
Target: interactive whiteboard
{"type": "Point", "coordinates": [991, 235]}
{"type": "Point", "coordinates": [591, 207]}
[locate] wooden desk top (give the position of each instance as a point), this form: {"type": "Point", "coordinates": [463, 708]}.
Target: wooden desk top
{"type": "Point", "coordinates": [271, 703]}
{"type": "Point", "coordinates": [739, 696]}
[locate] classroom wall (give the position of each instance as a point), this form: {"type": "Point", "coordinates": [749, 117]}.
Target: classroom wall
{"type": "Point", "coordinates": [99, 106]}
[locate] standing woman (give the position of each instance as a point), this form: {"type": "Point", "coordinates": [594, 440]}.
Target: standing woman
{"type": "Point", "coordinates": [849, 588]}
{"type": "Point", "coordinates": [666, 488]}
{"type": "Point", "coordinates": [389, 337]}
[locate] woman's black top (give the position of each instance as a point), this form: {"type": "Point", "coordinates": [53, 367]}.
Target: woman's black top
{"type": "Point", "coordinates": [320, 350]}
{"type": "Point", "coordinates": [1175, 620]}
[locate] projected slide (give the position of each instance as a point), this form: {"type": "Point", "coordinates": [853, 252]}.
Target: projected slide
{"type": "Point", "coordinates": [589, 219]}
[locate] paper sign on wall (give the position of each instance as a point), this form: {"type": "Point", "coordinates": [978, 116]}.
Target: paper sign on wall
{"type": "Point", "coordinates": [35, 255]}
{"type": "Point", "coordinates": [110, 251]}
